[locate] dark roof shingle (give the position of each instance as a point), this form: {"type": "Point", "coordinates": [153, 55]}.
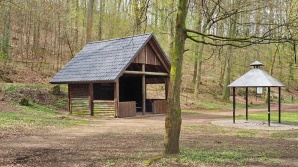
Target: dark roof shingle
{"type": "Point", "coordinates": [102, 61]}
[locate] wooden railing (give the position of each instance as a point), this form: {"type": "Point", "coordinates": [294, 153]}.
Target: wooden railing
{"type": "Point", "coordinates": [104, 108]}
{"type": "Point", "coordinates": [159, 106]}
{"type": "Point", "coordinates": [80, 106]}
{"type": "Point", "coordinates": [127, 109]}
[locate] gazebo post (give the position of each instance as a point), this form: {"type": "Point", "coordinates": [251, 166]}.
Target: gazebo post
{"type": "Point", "coordinates": [246, 99]}
{"type": "Point", "coordinates": [268, 98]}
{"type": "Point", "coordinates": [279, 99]}
{"type": "Point", "coordinates": [234, 104]}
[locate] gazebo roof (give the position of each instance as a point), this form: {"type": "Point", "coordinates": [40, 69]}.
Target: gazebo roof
{"type": "Point", "coordinates": [256, 78]}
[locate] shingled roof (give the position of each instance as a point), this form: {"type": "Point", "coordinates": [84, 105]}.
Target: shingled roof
{"type": "Point", "coordinates": [103, 61]}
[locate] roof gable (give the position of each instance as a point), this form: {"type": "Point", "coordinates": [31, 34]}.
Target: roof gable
{"type": "Point", "coordinates": [103, 61]}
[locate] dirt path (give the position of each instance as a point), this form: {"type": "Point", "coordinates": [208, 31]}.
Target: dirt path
{"type": "Point", "coordinates": [120, 142]}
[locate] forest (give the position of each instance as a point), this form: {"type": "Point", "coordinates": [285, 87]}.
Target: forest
{"type": "Point", "coordinates": [223, 36]}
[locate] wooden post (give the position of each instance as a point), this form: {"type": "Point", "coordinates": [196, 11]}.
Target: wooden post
{"type": "Point", "coordinates": [116, 98]}
{"type": "Point", "coordinates": [69, 99]}
{"type": "Point", "coordinates": [279, 107]}
{"type": "Point", "coordinates": [166, 88]}
{"type": "Point", "coordinates": [143, 91]}
{"type": "Point", "coordinates": [246, 104]}
{"type": "Point", "coordinates": [268, 106]}
{"type": "Point", "coordinates": [234, 104]}
{"type": "Point", "coordinates": [91, 99]}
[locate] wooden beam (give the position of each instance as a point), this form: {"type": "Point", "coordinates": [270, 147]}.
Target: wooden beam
{"type": "Point", "coordinates": [279, 108]}
{"type": "Point", "coordinates": [116, 98]}
{"type": "Point", "coordinates": [143, 91]}
{"type": "Point", "coordinates": [146, 73]}
{"type": "Point", "coordinates": [268, 106]}
{"type": "Point", "coordinates": [234, 104]}
{"type": "Point", "coordinates": [69, 98]}
{"type": "Point", "coordinates": [246, 103]}
{"type": "Point", "coordinates": [91, 97]}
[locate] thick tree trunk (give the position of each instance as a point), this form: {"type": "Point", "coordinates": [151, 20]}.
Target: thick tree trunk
{"type": "Point", "coordinates": [173, 114]}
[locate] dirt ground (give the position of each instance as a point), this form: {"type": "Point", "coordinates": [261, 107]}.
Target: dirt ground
{"type": "Point", "coordinates": [131, 141]}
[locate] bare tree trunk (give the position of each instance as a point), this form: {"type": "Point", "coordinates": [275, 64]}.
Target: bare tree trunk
{"type": "Point", "coordinates": [89, 21]}
{"type": "Point", "coordinates": [101, 16]}
{"type": "Point", "coordinates": [6, 35]}
{"type": "Point", "coordinates": [173, 114]}
{"type": "Point", "coordinates": [199, 67]}
{"type": "Point", "coordinates": [232, 33]}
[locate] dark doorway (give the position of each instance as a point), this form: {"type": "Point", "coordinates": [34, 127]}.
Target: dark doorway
{"type": "Point", "coordinates": [103, 91]}
{"type": "Point", "coordinates": [130, 89]}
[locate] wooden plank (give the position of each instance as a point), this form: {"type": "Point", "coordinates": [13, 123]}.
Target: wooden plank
{"type": "Point", "coordinates": [158, 54]}
{"type": "Point", "coordinates": [143, 91]}
{"type": "Point", "coordinates": [159, 106]}
{"type": "Point", "coordinates": [116, 98]}
{"type": "Point", "coordinates": [152, 57]}
{"type": "Point", "coordinates": [69, 98]}
{"type": "Point", "coordinates": [140, 58]}
{"type": "Point", "coordinates": [91, 99]}
{"type": "Point", "coordinates": [146, 73]}
{"type": "Point", "coordinates": [127, 109]}
{"type": "Point", "coordinates": [104, 108]}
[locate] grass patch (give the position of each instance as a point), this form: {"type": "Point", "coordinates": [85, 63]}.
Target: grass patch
{"type": "Point", "coordinates": [37, 115]}
{"type": "Point", "coordinates": [246, 134]}
{"type": "Point", "coordinates": [289, 117]}
{"type": "Point", "coordinates": [190, 111]}
{"type": "Point", "coordinates": [190, 156]}
{"type": "Point", "coordinates": [285, 134]}
{"type": "Point", "coordinates": [213, 105]}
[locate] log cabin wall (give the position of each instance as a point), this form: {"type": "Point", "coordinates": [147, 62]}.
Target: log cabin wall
{"type": "Point", "coordinates": [104, 108]}
{"type": "Point", "coordinates": [79, 100]}
{"type": "Point", "coordinates": [103, 103]}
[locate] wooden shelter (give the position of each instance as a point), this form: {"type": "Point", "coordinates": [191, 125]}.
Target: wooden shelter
{"type": "Point", "coordinates": [109, 77]}
{"type": "Point", "coordinates": [257, 78]}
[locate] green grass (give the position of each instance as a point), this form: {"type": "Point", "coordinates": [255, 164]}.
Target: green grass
{"type": "Point", "coordinates": [285, 135]}
{"type": "Point", "coordinates": [246, 134]}
{"type": "Point", "coordinates": [219, 107]}
{"type": "Point", "coordinates": [190, 156]}
{"type": "Point", "coordinates": [286, 117]}
{"type": "Point", "coordinates": [37, 115]}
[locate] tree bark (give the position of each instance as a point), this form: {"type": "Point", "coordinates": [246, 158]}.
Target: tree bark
{"type": "Point", "coordinates": [173, 115]}
{"type": "Point", "coordinates": [232, 34]}
{"type": "Point", "coordinates": [89, 21]}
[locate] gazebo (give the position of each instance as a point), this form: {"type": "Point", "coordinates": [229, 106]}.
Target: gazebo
{"type": "Point", "coordinates": [257, 78]}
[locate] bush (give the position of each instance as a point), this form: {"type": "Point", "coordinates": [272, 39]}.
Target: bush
{"type": "Point", "coordinates": [24, 102]}
{"type": "Point", "coordinates": [55, 90]}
